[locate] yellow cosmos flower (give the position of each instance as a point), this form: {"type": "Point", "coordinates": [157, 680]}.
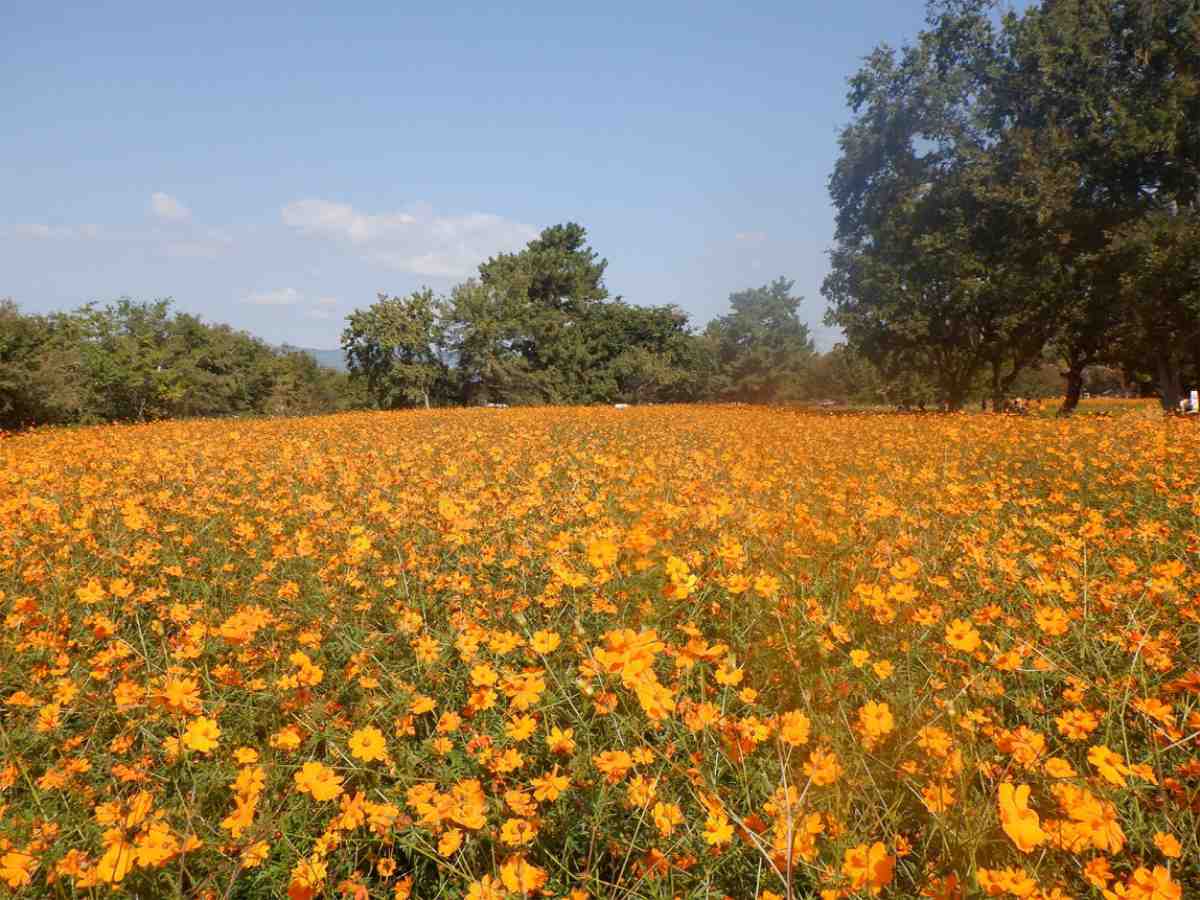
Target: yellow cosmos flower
{"type": "Point", "coordinates": [368, 744]}
{"type": "Point", "coordinates": [202, 735]}
{"type": "Point", "coordinates": [318, 781]}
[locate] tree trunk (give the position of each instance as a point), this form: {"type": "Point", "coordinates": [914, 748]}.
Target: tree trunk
{"type": "Point", "coordinates": [1169, 388]}
{"type": "Point", "coordinates": [1074, 376]}
{"type": "Point", "coordinates": [997, 391]}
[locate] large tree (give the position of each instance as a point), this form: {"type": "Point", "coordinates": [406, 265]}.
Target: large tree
{"type": "Point", "coordinates": [554, 287]}
{"type": "Point", "coordinates": [762, 343]}
{"type": "Point", "coordinates": [22, 388]}
{"type": "Point", "coordinates": [995, 179]}
{"type": "Point", "coordinates": [1160, 282]}
{"type": "Point", "coordinates": [485, 335]}
{"type": "Point", "coordinates": [396, 345]}
{"type": "Point", "coordinates": [539, 325]}
{"type": "Point", "coordinates": [941, 260]}
{"type": "Point", "coordinates": [1109, 92]}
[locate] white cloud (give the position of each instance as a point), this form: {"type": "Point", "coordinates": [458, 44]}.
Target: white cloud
{"type": "Point", "coordinates": [750, 237]}
{"type": "Point", "coordinates": [319, 308]}
{"type": "Point", "coordinates": [40, 232]}
{"type": "Point", "coordinates": [186, 242]}
{"type": "Point", "coordinates": [341, 220]}
{"type": "Point", "coordinates": [193, 249]}
{"type": "Point", "coordinates": [206, 244]}
{"type": "Point", "coordinates": [279, 297]}
{"type": "Point", "coordinates": [167, 207]}
{"type": "Point", "coordinates": [415, 239]}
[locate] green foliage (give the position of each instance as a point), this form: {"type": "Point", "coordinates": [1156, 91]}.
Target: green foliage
{"type": "Point", "coordinates": [1160, 283]}
{"type": "Point", "coordinates": [940, 265]}
{"type": "Point", "coordinates": [394, 345]}
{"type": "Point", "coordinates": [843, 375]}
{"type": "Point", "coordinates": [763, 346]}
{"type": "Point", "coordinates": [22, 392]}
{"type": "Point", "coordinates": [554, 289]}
{"type": "Point", "coordinates": [536, 326]}
{"type": "Point", "coordinates": [132, 361]}
{"type": "Point", "coordinates": [483, 329]}
{"type": "Point", "coordinates": [996, 188]}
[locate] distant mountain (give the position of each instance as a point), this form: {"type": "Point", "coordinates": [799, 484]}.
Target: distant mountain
{"type": "Point", "coordinates": [330, 359]}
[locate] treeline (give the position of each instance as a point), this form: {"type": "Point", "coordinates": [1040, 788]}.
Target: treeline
{"type": "Point", "coordinates": [534, 327]}
{"type": "Point", "coordinates": [1021, 188]}
{"type": "Point", "coordinates": [136, 361]}
{"type": "Point", "coordinates": [539, 326]}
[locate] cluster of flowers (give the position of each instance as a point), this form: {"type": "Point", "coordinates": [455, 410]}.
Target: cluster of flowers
{"type": "Point", "coordinates": [572, 653]}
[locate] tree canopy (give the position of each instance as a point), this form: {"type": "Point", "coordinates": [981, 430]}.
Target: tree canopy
{"type": "Point", "coordinates": [131, 361]}
{"type": "Point", "coordinates": [535, 326]}
{"type": "Point", "coordinates": [396, 344]}
{"type": "Point", "coordinates": [1024, 185]}
{"type": "Point", "coordinates": [763, 346]}
{"type": "Point", "coordinates": [539, 326]}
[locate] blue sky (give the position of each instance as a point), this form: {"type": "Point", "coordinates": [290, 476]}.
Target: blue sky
{"type": "Point", "coordinates": [276, 165]}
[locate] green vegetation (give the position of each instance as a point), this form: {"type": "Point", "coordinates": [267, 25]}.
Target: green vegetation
{"type": "Point", "coordinates": [536, 326]}
{"type": "Point", "coordinates": [1020, 189]}
{"type": "Point", "coordinates": [137, 361]}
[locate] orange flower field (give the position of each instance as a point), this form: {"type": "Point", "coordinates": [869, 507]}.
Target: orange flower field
{"type": "Point", "coordinates": [655, 652]}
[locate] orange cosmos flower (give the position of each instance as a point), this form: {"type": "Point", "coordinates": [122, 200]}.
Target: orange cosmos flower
{"type": "Point", "coordinates": [544, 642]}
{"type": "Point", "coordinates": [613, 764]}
{"type": "Point", "coordinates": [318, 781]}
{"type": "Point", "coordinates": [1168, 845]}
{"type": "Point", "coordinates": [1019, 822]}
{"type": "Point", "coordinates": [869, 868]}
{"type": "Point", "coordinates": [667, 817]}
{"type": "Point", "coordinates": [450, 841]}
{"type": "Point", "coordinates": [717, 830]}
{"type": "Point", "coordinates": [550, 787]}
{"type": "Point", "coordinates": [1109, 764]}
{"type": "Point", "coordinates": [486, 888]}
{"type": "Point", "coordinates": [823, 767]}
{"type": "Point", "coordinates": [1077, 724]}
{"type": "Point", "coordinates": [522, 878]}
{"type": "Point", "coordinates": [517, 832]}
{"type": "Point", "coordinates": [1147, 884]}
{"type": "Point", "coordinates": [180, 695]}
{"type": "Point", "coordinates": [602, 553]}
{"type": "Point", "coordinates": [17, 868]}
{"type": "Point", "coordinates": [961, 635]}
{"type": "Point", "coordinates": [875, 719]}
{"type": "Point", "coordinates": [794, 728]}
{"type": "Point", "coordinates": [561, 740]}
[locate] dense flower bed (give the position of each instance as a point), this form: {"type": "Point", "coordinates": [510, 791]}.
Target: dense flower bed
{"type": "Point", "coordinates": [641, 653]}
